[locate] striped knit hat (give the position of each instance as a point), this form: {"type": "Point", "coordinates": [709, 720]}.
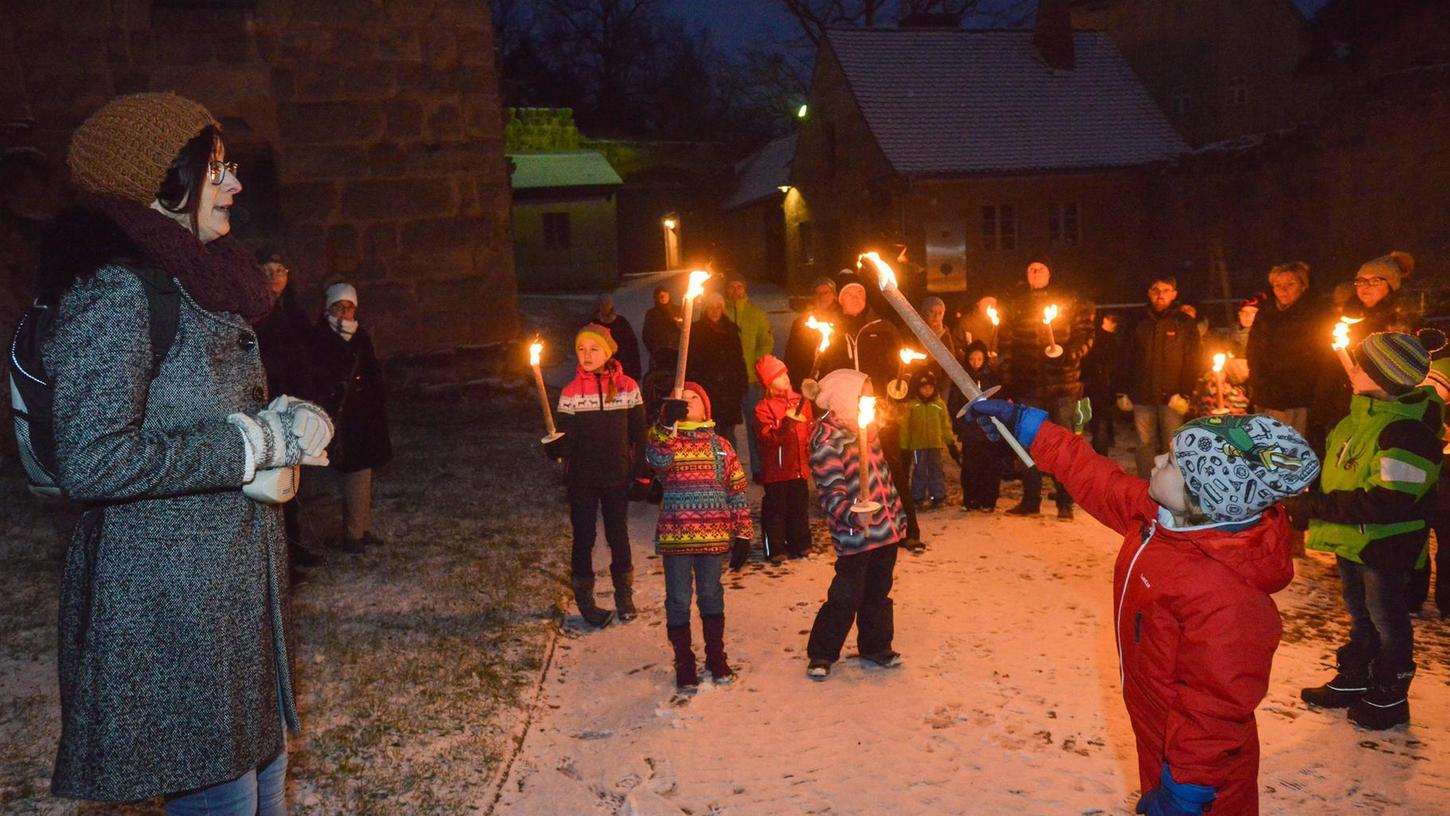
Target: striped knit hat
{"type": "Point", "coordinates": [1394, 360]}
{"type": "Point", "coordinates": [599, 334]}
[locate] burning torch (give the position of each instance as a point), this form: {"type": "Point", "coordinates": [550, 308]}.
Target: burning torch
{"type": "Point", "coordinates": [695, 289]}
{"type": "Point", "coordinates": [1341, 342]}
{"type": "Point", "coordinates": [1219, 360]}
{"type": "Point", "coordinates": [1049, 314]}
{"type": "Point", "coordinates": [536, 350]}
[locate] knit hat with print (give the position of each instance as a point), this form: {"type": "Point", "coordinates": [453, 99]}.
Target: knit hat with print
{"type": "Point", "coordinates": [699, 391]}
{"type": "Point", "coordinates": [1394, 360]}
{"type": "Point", "coordinates": [769, 367]}
{"type": "Point", "coordinates": [1236, 467]}
{"type": "Point", "coordinates": [125, 149]}
{"type": "Point", "coordinates": [599, 334]}
{"type": "Point", "coordinates": [1395, 268]}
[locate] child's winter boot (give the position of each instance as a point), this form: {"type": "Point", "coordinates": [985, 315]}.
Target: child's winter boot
{"type": "Point", "coordinates": [1387, 703]}
{"type": "Point", "coordinates": [686, 676]}
{"type": "Point", "coordinates": [584, 597]}
{"type": "Point", "coordinates": [624, 595]}
{"type": "Point", "coordinates": [1348, 685]}
{"type": "Point", "coordinates": [715, 663]}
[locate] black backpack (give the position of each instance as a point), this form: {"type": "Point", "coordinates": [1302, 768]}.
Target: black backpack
{"type": "Point", "coordinates": [31, 392]}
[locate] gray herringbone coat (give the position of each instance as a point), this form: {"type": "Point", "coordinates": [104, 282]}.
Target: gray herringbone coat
{"type": "Point", "coordinates": [173, 669]}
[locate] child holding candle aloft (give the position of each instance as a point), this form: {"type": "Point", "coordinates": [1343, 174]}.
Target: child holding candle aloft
{"type": "Point", "coordinates": [782, 424]}
{"type": "Point", "coordinates": [865, 544]}
{"type": "Point", "coordinates": [601, 416]}
{"type": "Point", "coordinates": [704, 515]}
{"type": "Point", "coordinates": [1205, 544]}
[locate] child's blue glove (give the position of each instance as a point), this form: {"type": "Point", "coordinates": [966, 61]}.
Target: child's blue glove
{"type": "Point", "coordinates": [1022, 420]}
{"type": "Point", "coordinates": [1172, 798]}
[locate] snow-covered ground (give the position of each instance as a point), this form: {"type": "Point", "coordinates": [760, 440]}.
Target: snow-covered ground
{"type": "Point", "coordinates": [1008, 701]}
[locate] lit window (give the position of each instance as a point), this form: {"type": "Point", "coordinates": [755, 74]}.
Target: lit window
{"type": "Point", "coordinates": [556, 231]}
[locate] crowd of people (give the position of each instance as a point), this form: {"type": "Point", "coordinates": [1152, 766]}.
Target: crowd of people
{"type": "Point", "coordinates": [1231, 428]}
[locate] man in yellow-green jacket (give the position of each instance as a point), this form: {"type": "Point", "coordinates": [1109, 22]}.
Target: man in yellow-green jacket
{"type": "Point", "coordinates": [756, 341]}
{"type": "Point", "coordinates": [1382, 463]}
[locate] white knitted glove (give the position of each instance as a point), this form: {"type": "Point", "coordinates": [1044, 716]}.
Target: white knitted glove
{"type": "Point", "coordinates": [310, 424]}
{"type": "Point", "coordinates": [288, 432]}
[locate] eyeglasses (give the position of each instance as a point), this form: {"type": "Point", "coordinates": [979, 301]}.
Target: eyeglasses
{"type": "Point", "coordinates": [216, 171]}
{"type": "Point", "coordinates": [1361, 283]}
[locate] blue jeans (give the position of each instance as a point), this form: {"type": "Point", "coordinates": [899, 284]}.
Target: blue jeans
{"type": "Point", "coordinates": [753, 394]}
{"type": "Point", "coordinates": [705, 570]}
{"type": "Point", "coordinates": [258, 792]}
{"type": "Point", "coordinates": [1379, 618]}
{"type": "Point", "coordinates": [928, 480]}
{"type": "Point", "coordinates": [1155, 425]}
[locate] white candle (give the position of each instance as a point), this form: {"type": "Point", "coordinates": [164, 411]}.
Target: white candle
{"type": "Point", "coordinates": [1049, 314]}
{"type": "Point", "coordinates": [536, 350]}
{"type": "Point", "coordinates": [1218, 362]}
{"type": "Point", "coordinates": [1340, 343]}
{"type": "Point", "coordinates": [695, 289]}
{"type": "Point", "coordinates": [865, 415]}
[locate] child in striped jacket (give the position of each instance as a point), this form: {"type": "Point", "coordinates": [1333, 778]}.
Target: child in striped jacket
{"type": "Point", "coordinates": [865, 545]}
{"type": "Point", "coordinates": [704, 513]}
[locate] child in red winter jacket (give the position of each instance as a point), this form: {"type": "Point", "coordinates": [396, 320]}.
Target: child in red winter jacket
{"type": "Point", "coordinates": [783, 430]}
{"type": "Point", "coordinates": [1205, 543]}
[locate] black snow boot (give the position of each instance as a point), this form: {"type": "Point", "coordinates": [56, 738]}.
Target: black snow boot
{"type": "Point", "coordinates": [584, 597]}
{"type": "Point", "coordinates": [624, 596]}
{"type": "Point", "coordinates": [1348, 685]}
{"type": "Point", "coordinates": [687, 677]}
{"type": "Point", "coordinates": [1387, 703]}
{"type": "Point", "coordinates": [715, 663]}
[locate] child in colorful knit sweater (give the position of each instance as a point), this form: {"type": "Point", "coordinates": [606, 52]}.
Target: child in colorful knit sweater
{"type": "Point", "coordinates": [703, 514]}
{"type": "Point", "coordinates": [866, 545]}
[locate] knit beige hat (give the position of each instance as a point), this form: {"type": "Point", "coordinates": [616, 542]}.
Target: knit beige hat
{"type": "Point", "coordinates": [125, 148]}
{"type": "Point", "coordinates": [1395, 268]}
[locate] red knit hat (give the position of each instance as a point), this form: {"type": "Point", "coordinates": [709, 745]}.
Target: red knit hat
{"type": "Point", "coordinates": [699, 391]}
{"type": "Point", "coordinates": [767, 368]}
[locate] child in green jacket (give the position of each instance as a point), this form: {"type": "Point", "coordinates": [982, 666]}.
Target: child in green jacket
{"type": "Point", "coordinates": [1372, 509]}
{"type": "Point", "coordinates": [925, 434]}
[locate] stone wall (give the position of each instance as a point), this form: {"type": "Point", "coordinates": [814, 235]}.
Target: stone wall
{"type": "Point", "coordinates": [369, 134]}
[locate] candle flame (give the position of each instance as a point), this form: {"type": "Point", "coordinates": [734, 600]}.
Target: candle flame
{"type": "Point", "coordinates": [885, 275]}
{"type": "Point", "coordinates": [1218, 361]}
{"type": "Point", "coordinates": [824, 328]}
{"type": "Point", "coordinates": [1049, 314]}
{"type": "Point", "coordinates": [866, 413]}
{"type": "Point", "coordinates": [697, 284]}
{"type": "Point", "coordinates": [1341, 332]}
{"type": "Point", "coordinates": [992, 315]}
{"type": "Point", "coordinates": [535, 349]}
{"type": "Point", "coordinates": [909, 356]}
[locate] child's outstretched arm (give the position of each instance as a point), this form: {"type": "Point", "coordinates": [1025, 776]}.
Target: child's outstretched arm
{"type": "Point", "coordinates": [1096, 482]}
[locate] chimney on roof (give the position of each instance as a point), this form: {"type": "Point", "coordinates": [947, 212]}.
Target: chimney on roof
{"type": "Point", "coordinates": [1052, 34]}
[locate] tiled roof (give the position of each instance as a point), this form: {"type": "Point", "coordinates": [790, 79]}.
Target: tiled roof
{"type": "Point", "coordinates": [944, 102]}
{"type": "Point", "coordinates": [761, 174]}
{"type": "Point", "coordinates": [583, 168]}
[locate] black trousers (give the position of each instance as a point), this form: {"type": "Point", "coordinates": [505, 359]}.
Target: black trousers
{"type": "Point", "coordinates": [900, 474]}
{"type": "Point", "coordinates": [981, 473]}
{"type": "Point", "coordinates": [785, 518]}
{"type": "Point", "coordinates": [1419, 589]}
{"type": "Point", "coordinates": [860, 593]}
{"type": "Point", "coordinates": [586, 504]}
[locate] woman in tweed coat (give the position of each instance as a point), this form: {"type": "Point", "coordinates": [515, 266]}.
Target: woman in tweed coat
{"type": "Point", "coordinates": [174, 678]}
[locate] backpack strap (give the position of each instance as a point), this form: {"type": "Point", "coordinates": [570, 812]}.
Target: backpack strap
{"type": "Point", "coordinates": [163, 301]}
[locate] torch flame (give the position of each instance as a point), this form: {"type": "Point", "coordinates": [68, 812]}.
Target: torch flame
{"type": "Point", "coordinates": [884, 273]}
{"type": "Point", "coordinates": [1341, 332]}
{"type": "Point", "coordinates": [824, 328]}
{"type": "Point", "coordinates": [535, 349]}
{"type": "Point", "coordinates": [909, 356]}
{"type": "Point", "coordinates": [1218, 361]}
{"type": "Point", "coordinates": [1049, 314]}
{"type": "Point", "coordinates": [866, 413]}
{"type": "Point", "coordinates": [697, 284]}
{"type": "Point", "coordinates": [992, 315]}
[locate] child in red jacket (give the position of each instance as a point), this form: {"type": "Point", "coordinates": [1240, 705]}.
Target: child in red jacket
{"type": "Point", "coordinates": [1205, 543]}
{"type": "Point", "coordinates": [783, 430]}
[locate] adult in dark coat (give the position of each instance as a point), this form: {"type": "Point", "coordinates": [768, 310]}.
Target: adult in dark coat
{"type": "Point", "coordinates": [1288, 348]}
{"type": "Point", "coordinates": [174, 671]}
{"type": "Point", "coordinates": [1099, 373]}
{"type": "Point", "coordinates": [1162, 359]}
{"type": "Point", "coordinates": [281, 338]}
{"type": "Point", "coordinates": [717, 363]}
{"type": "Point", "coordinates": [1053, 384]}
{"type": "Point", "coordinates": [623, 335]}
{"type": "Point", "coordinates": [802, 342]}
{"type": "Point", "coordinates": [661, 326]}
{"type": "Point", "coordinates": [345, 379]}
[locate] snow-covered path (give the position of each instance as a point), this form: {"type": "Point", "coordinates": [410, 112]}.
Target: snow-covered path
{"type": "Point", "coordinates": [1008, 701]}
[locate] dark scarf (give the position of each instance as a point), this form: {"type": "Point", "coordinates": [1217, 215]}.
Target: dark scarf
{"type": "Point", "coordinates": [221, 276]}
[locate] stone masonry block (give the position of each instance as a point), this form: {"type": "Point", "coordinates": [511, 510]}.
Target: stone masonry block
{"type": "Point", "coordinates": [404, 119]}
{"type": "Point", "coordinates": [325, 162]}
{"type": "Point", "coordinates": [331, 122]}
{"type": "Point", "coordinates": [400, 198]}
{"type": "Point", "coordinates": [313, 201]}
